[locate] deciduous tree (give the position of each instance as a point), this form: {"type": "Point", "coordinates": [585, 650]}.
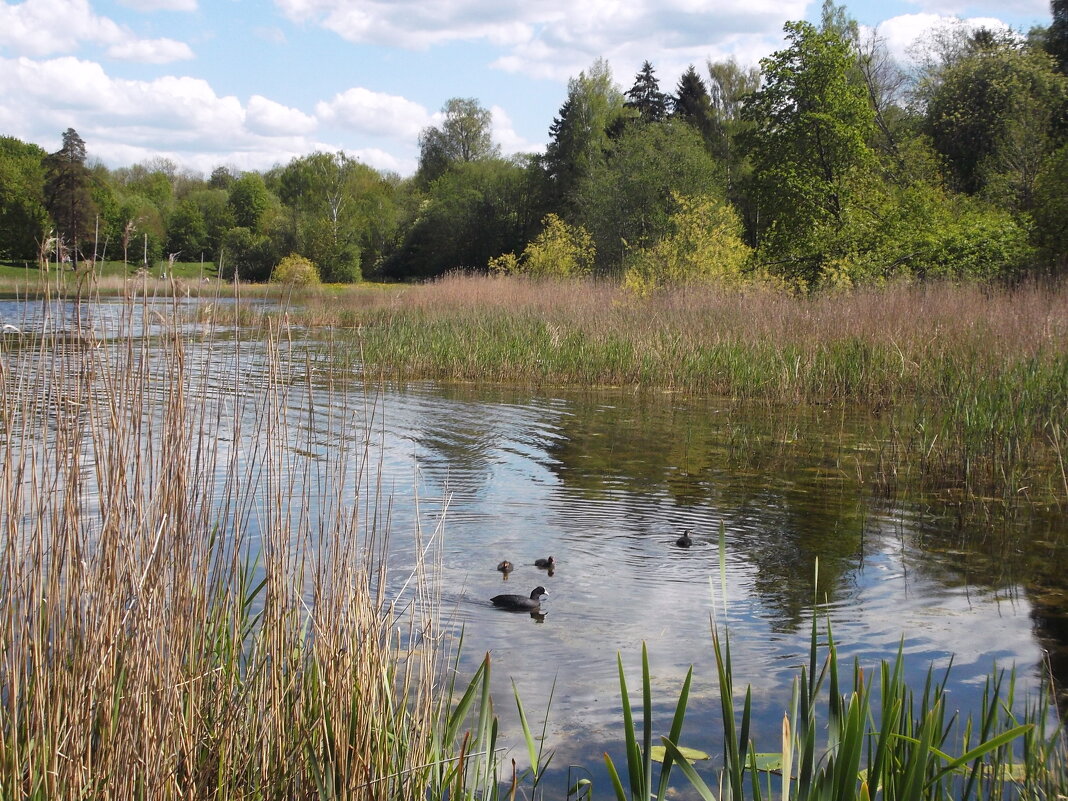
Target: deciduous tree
{"type": "Point", "coordinates": [578, 135]}
{"type": "Point", "coordinates": [995, 115]}
{"type": "Point", "coordinates": [809, 145]}
{"type": "Point", "coordinates": [626, 200]}
{"type": "Point", "coordinates": [23, 218]}
{"type": "Point", "coordinates": [465, 135]}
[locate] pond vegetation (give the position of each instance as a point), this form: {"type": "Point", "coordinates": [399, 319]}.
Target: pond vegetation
{"type": "Point", "coordinates": [176, 623]}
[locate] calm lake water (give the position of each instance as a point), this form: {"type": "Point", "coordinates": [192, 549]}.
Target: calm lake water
{"type": "Point", "coordinates": [605, 481]}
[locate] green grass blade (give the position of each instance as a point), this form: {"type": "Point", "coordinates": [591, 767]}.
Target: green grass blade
{"type": "Point", "coordinates": [675, 734]}
{"type": "Point", "coordinates": [613, 774]}
{"type": "Point", "coordinates": [688, 770]}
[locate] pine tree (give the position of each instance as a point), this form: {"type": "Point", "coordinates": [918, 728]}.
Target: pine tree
{"type": "Point", "coordinates": [67, 195]}
{"type": "Point", "coordinates": [692, 103]}
{"type": "Point", "coordinates": [645, 96]}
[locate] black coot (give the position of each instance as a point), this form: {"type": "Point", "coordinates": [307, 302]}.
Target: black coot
{"type": "Point", "coordinates": [520, 602]}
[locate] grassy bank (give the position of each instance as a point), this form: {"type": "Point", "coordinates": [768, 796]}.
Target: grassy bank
{"type": "Point", "coordinates": [974, 378]}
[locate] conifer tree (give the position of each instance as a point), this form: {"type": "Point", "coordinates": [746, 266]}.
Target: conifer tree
{"type": "Point", "coordinates": [645, 96]}
{"type": "Point", "coordinates": [692, 103]}
{"type": "Point", "coordinates": [67, 195]}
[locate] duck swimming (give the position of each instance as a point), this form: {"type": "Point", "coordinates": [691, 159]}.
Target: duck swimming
{"type": "Point", "coordinates": [520, 603]}
{"type": "Point", "coordinates": [549, 563]}
{"type": "Point", "coordinates": [505, 566]}
{"type": "Point", "coordinates": [685, 541]}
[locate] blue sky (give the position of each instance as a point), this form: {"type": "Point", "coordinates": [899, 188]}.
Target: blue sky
{"type": "Point", "coordinates": [253, 83]}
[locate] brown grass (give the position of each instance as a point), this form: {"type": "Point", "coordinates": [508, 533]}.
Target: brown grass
{"type": "Point", "coordinates": [174, 624]}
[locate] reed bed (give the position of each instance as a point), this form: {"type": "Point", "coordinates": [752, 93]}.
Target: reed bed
{"type": "Point", "coordinates": [974, 377]}
{"type": "Point", "coordinates": [190, 607]}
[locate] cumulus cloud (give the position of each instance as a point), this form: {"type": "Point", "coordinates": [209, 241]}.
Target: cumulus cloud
{"type": "Point", "coordinates": [43, 27]}
{"type": "Point", "coordinates": [151, 51]}
{"type": "Point", "coordinates": [557, 38]}
{"type": "Point", "coordinates": [505, 135]}
{"type": "Point", "coordinates": [268, 117]}
{"type": "Point", "coordinates": [375, 113]}
{"type": "Point", "coordinates": [953, 8]}
{"type": "Point", "coordinates": [124, 121]}
{"type": "Point", "coordinates": [904, 35]}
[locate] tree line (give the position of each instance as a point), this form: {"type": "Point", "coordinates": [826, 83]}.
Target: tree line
{"type": "Point", "coordinates": [827, 165]}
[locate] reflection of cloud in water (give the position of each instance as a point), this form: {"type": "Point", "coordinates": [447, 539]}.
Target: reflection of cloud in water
{"type": "Point", "coordinates": [507, 467]}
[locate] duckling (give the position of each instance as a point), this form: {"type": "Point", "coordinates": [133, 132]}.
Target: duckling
{"type": "Point", "coordinates": [548, 564]}
{"type": "Point", "coordinates": [685, 541]}
{"type": "Point", "coordinates": [505, 566]}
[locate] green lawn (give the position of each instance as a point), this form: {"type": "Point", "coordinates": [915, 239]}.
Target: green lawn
{"type": "Point", "coordinates": [28, 271]}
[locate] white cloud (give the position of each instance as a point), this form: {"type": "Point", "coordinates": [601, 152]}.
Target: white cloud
{"type": "Point", "coordinates": [375, 113]}
{"type": "Point", "coordinates": [505, 135]}
{"type": "Point", "coordinates": [273, 119]}
{"type": "Point", "coordinates": [271, 34]}
{"type": "Point", "coordinates": [903, 34]}
{"type": "Point", "coordinates": [955, 8]}
{"type": "Point", "coordinates": [151, 51]}
{"type": "Point", "coordinates": [42, 27]}
{"type": "Point", "coordinates": [125, 121]}
{"type": "Point", "coordinates": [557, 38]}
{"type": "Point", "coordinates": [161, 5]}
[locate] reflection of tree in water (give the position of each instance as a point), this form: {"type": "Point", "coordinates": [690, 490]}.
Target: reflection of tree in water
{"type": "Point", "coordinates": [996, 548]}
{"type": "Point", "coordinates": [777, 475]}
{"type": "Point", "coordinates": [463, 428]}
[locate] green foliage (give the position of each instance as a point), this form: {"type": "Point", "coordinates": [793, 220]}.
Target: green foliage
{"type": "Point", "coordinates": [645, 96]}
{"type": "Point", "coordinates": [693, 104]}
{"type": "Point", "coordinates": [154, 181]}
{"type": "Point", "coordinates": [187, 232]}
{"type": "Point", "coordinates": [1051, 208]}
{"type": "Point", "coordinates": [919, 231]}
{"type": "Point", "coordinates": [214, 206]}
{"type": "Point", "coordinates": [626, 200]}
{"type": "Point", "coordinates": [560, 250]}
{"type": "Point", "coordinates": [249, 200]}
{"type": "Point", "coordinates": [995, 115]}
{"type": "Point", "coordinates": [1057, 36]}
{"type": "Point", "coordinates": [23, 218]}
{"type": "Point", "coordinates": [67, 194]}
{"type": "Point", "coordinates": [703, 245]}
{"type": "Point", "coordinates": [640, 754]}
{"type": "Point", "coordinates": [221, 178]}
{"type": "Point", "coordinates": [344, 211]}
{"type": "Point", "coordinates": [579, 134]}
{"type": "Point", "coordinates": [470, 214]}
{"type": "Point", "coordinates": [142, 232]}
{"type": "Point", "coordinates": [809, 146]}
{"type": "Point", "coordinates": [465, 135]}
{"type": "Point", "coordinates": [296, 271]}
{"type": "Point", "coordinates": [247, 256]}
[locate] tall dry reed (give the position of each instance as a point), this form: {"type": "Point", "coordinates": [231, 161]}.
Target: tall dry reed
{"type": "Point", "coordinates": [192, 608]}
{"type": "Point", "coordinates": [973, 378]}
